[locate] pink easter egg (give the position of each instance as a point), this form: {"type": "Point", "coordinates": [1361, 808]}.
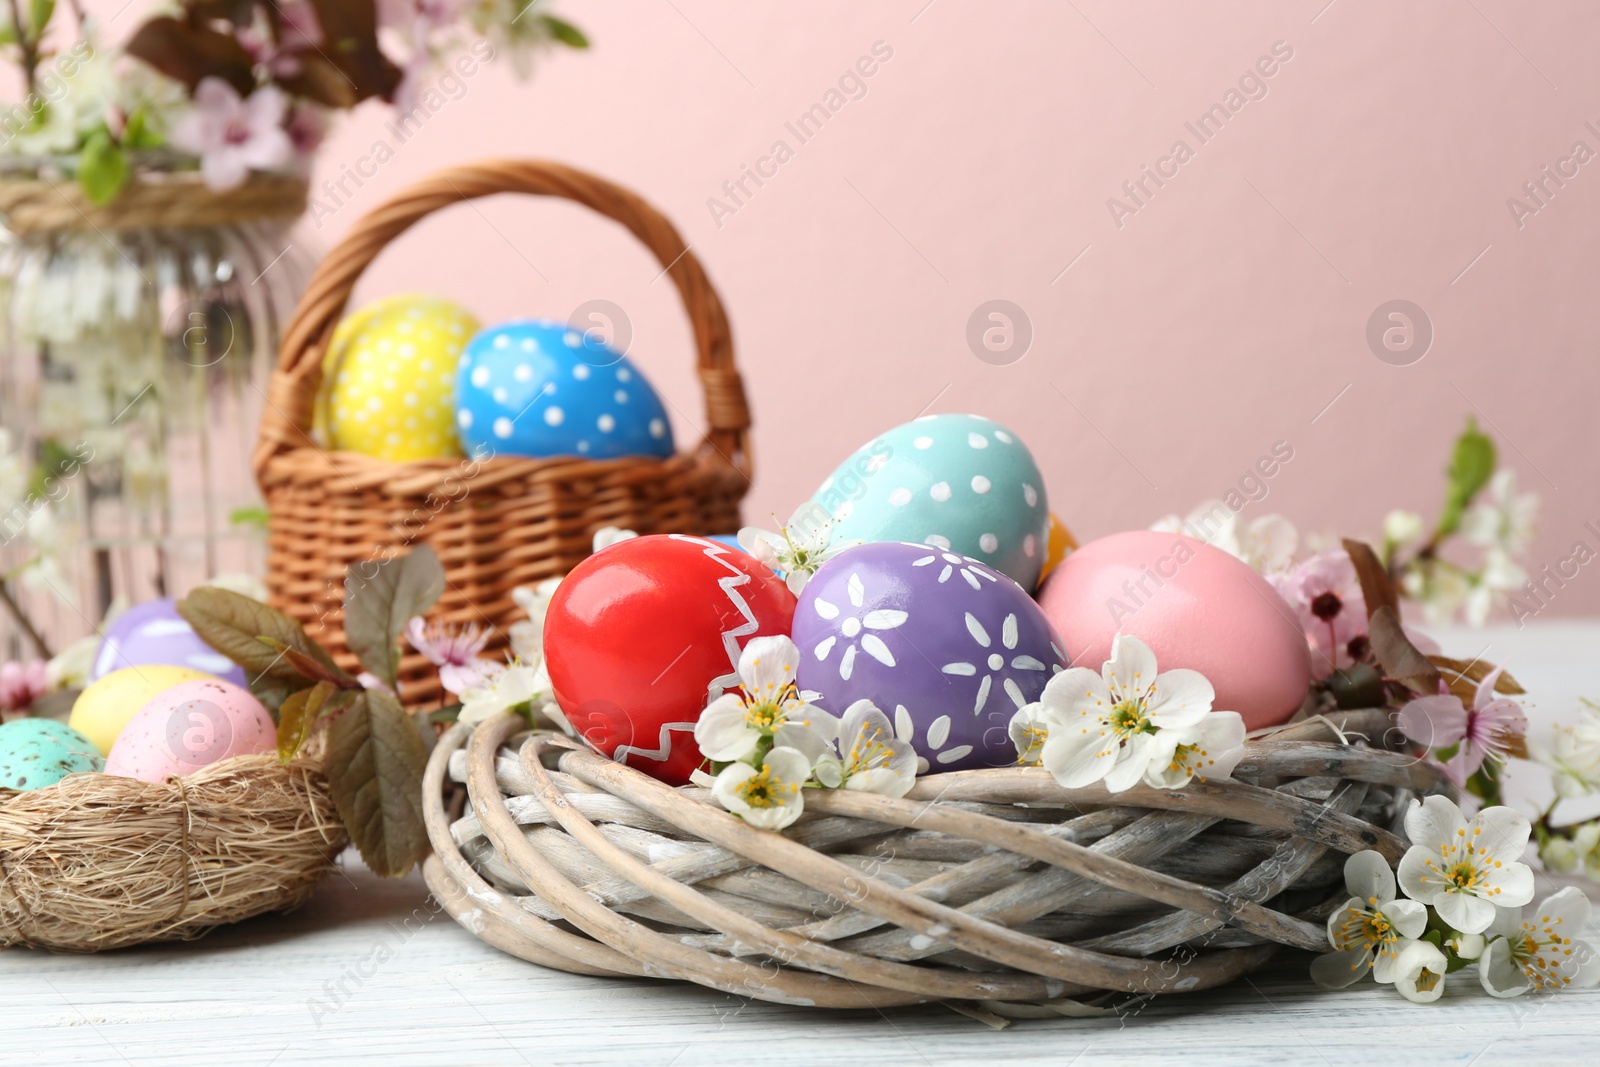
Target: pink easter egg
{"type": "Point", "coordinates": [189, 726]}
{"type": "Point", "coordinates": [1195, 606]}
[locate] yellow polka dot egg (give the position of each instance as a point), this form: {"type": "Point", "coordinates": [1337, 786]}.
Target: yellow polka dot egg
{"type": "Point", "coordinates": [389, 378]}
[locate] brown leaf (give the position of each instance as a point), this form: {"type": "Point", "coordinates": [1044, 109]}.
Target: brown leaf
{"type": "Point", "coordinates": [374, 766]}
{"type": "Point", "coordinates": [1377, 588]}
{"type": "Point", "coordinates": [252, 635]}
{"type": "Point", "coordinates": [380, 597]}
{"type": "Point", "coordinates": [1396, 654]}
{"type": "Point", "coordinates": [188, 53]}
{"type": "Point", "coordinates": [349, 52]}
{"type": "Point", "coordinates": [1468, 675]}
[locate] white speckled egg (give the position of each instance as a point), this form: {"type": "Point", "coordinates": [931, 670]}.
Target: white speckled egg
{"type": "Point", "coordinates": [104, 708]}
{"type": "Point", "coordinates": [389, 378]}
{"type": "Point", "coordinates": [958, 482]}
{"type": "Point", "coordinates": [190, 726]}
{"type": "Point", "coordinates": [35, 753]}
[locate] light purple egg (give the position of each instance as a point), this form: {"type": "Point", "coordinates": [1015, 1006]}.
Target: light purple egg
{"type": "Point", "coordinates": [946, 646]}
{"type": "Point", "coordinates": [154, 632]}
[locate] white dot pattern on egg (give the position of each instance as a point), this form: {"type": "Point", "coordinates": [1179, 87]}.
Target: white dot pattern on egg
{"type": "Point", "coordinates": [383, 396]}
{"type": "Point", "coordinates": [538, 388]}
{"type": "Point", "coordinates": [960, 482]}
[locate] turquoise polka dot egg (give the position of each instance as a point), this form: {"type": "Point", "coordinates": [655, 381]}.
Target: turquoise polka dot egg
{"type": "Point", "coordinates": [960, 482]}
{"type": "Point", "coordinates": [541, 388]}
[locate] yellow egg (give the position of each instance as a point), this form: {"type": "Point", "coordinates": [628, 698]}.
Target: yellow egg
{"type": "Point", "coordinates": [1056, 548]}
{"type": "Point", "coordinates": [389, 378]}
{"type": "Point", "coordinates": [104, 708]}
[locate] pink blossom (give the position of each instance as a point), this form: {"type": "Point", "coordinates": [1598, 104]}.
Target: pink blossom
{"type": "Point", "coordinates": [454, 652]}
{"type": "Point", "coordinates": [307, 127]}
{"type": "Point", "coordinates": [300, 28]}
{"type": "Point", "coordinates": [21, 684]}
{"type": "Point", "coordinates": [1484, 731]}
{"type": "Point", "coordinates": [233, 135]}
{"type": "Point", "coordinates": [1326, 595]}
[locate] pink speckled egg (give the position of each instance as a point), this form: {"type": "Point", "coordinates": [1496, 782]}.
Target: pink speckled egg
{"type": "Point", "coordinates": [1195, 606]}
{"type": "Point", "coordinates": [189, 726]}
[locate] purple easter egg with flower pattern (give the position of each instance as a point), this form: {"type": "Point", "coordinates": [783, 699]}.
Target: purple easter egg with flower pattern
{"type": "Point", "coordinates": [948, 647]}
{"type": "Point", "coordinates": [154, 633]}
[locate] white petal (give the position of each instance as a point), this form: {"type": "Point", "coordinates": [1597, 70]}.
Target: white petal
{"type": "Point", "coordinates": [1180, 698]}
{"type": "Point", "coordinates": [1335, 970]}
{"type": "Point", "coordinates": [873, 646]}
{"type": "Point", "coordinates": [975, 628]}
{"type": "Point", "coordinates": [1014, 691]}
{"type": "Point", "coordinates": [1464, 912]}
{"type": "Point", "coordinates": [1132, 761]}
{"type": "Point", "coordinates": [1510, 883]}
{"type": "Point", "coordinates": [825, 646]}
{"type": "Point", "coordinates": [767, 666]}
{"type": "Point", "coordinates": [883, 619]}
{"type": "Point", "coordinates": [1075, 760]}
{"type": "Point", "coordinates": [722, 732]}
{"type": "Point", "coordinates": [1367, 875]}
{"type": "Point", "coordinates": [847, 663]}
{"type": "Point", "coordinates": [1008, 630]}
{"type": "Point", "coordinates": [1500, 833]}
{"type": "Point", "coordinates": [983, 694]}
{"type": "Point", "coordinates": [1434, 822]}
{"type": "Point", "coordinates": [854, 588]}
{"type": "Point", "coordinates": [1499, 974]}
{"type": "Point", "coordinates": [1408, 918]}
{"type": "Point", "coordinates": [1417, 878]}
{"type": "Point", "coordinates": [966, 670]}
{"type": "Point", "coordinates": [904, 728]}
{"type": "Point", "coordinates": [1131, 670]}
{"type": "Point", "coordinates": [1026, 663]}
{"type": "Point", "coordinates": [825, 609]}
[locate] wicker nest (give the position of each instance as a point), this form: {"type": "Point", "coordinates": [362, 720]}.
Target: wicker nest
{"type": "Point", "coordinates": [995, 886]}
{"type": "Point", "coordinates": [97, 861]}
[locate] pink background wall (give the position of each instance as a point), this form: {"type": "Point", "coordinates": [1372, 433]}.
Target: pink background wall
{"type": "Point", "coordinates": [1226, 314]}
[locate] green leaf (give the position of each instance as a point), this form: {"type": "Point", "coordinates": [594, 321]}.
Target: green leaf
{"type": "Point", "coordinates": [54, 462]}
{"type": "Point", "coordinates": [374, 766]}
{"type": "Point", "coordinates": [138, 133]}
{"type": "Point", "coordinates": [565, 32]}
{"type": "Point", "coordinates": [297, 716]}
{"type": "Point", "coordinates": [1471, 466]}
{"type": "Point", "coordinates": [246, 631]}
{"type": "Point", "coordinates": [250, 517]}
{"type": "Point", "coordinates": [380, 597]}
{"type": "Point", "coordinates": [39, 14]}
{"type": "Point", "coordinates": [102, 168]}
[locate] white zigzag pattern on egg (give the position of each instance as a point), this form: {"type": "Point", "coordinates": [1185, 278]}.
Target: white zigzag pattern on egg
{"type": "Point", "coordinates": [663, 740]}
{"type": "Point", "coordinates": [730, 642]}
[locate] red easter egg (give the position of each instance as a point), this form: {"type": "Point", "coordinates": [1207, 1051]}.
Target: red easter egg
{"type": "Point", "coordinates": [642, 634]}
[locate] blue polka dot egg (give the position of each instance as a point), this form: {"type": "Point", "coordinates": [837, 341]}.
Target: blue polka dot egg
{"type": "Point", "coordinates": [541, 388]}
{"type": "Point", "coordinates": [962, 483]}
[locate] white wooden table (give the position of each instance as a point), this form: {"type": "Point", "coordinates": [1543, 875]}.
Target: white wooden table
{"type": "Point", "coordinates": [368, 972]}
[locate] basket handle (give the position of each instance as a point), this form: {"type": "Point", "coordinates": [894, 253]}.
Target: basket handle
{"type": "Point", "coordinates": [286, 422]}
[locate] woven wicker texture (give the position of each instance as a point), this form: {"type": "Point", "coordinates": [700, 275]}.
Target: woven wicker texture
{"type": "Point", "coordinates": [990, 885]}
{"type": "Point", "coordinates": [32, 206]}
{"type": "Point", "coordinates": [505, 521]}
{"type": "Point", "coordinates": [99, 862]}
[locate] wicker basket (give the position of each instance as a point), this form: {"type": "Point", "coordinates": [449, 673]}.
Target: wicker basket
{"type": "Point", "coordinates": [994, 886]}
{"type": "Point", "coordinates": [100, 862]}
{"type": "Point", "coordinates": [519, 520]}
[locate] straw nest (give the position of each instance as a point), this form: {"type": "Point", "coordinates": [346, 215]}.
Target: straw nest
{"type": "Point", "coordinates": [994, 886]}
{"type": "Point", "coordinates": [98, 862]}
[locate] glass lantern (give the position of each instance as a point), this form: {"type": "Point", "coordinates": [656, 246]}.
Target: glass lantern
{"type": "Point", "coordinates": [139, 343]}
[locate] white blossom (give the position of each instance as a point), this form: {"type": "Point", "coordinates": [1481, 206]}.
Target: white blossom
{"type": "Point", "coordinates": [1419, 971]}
{"type": "Point", "coordinates": [767, 705]}
{"type": "Point", "coordinates": [1462, 869]}
{"type": "Point", "coordinates": [770, 796]}
{"type": "Point", "coordinates": [870, 757]}
{"type": "Point", "coordinates": [1542, 951]}
{"type": "Point", "coordinates": [1372, 928]}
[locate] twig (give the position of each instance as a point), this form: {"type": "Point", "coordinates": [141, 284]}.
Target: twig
{"type": "Point", "coordinates": [28, 44]}
{"type": "Point", "coordinates": [16, 609]}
